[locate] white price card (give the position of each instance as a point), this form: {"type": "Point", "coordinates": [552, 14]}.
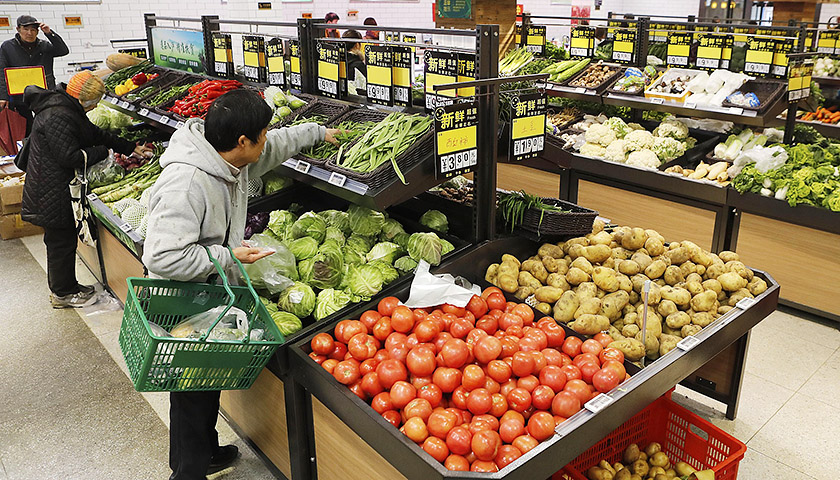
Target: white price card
{"type": "Point", "coordinates": [657, 101]}
{"type": "Point", "coordinates": [745, 303]}
{"type": "Point", "coordinates": [144, 112]}
{"type": "Point", "coordinates": [691, 105]}
{"type": "Point", "coordinates": [580, 90]}
{"type": "Point", "coordinates": [337, 179]}
{"type": "Point", "coordinates": [688, 343]}
{"type": "Point", "coordinates": [598, 403]}
{"type": "Point", "coordinates": [125, 227]}
{"type": "Point", "coordinates": [92, 197]}
{"type": "Point", "coordinates": [123, 104]}
{"type": "Point", "coordinates": [302, 167]}
{"type": "Point", "coordinates": [179, 124]}
{"type": "Point", "coordinates": [736, 110]}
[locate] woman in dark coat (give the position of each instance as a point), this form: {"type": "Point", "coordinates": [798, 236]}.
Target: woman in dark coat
{"type": "Point", "coordinates": [63, 140]}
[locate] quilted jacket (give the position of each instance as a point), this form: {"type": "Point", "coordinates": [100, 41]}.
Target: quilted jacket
{"type": "Point", "coordinates": [61, 137]}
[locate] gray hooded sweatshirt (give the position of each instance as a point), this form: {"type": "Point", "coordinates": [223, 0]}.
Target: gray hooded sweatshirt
{"type": "Point", "coordinates": [200, 199]}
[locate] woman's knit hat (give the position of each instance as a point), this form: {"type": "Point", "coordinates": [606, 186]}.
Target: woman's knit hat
{"type": "Point", "coordinates": [86, 87]}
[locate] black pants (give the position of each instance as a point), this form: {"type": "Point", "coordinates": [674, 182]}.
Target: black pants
{"type": "Point", "coordinates": [24, 112]}
{"type": "Point", "coordinates": [192, 433]}
{"type": "Point", "coordinates": [61, 260]}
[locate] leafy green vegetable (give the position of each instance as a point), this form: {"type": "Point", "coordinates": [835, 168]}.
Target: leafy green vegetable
{"type": "Point", "coordinates": [286, 322]}
{"type": "Point", "coordinates": [336, 235]}
{"type": "Point", "coordinates": [364, 221]}
{"type": "Point", "coordinates": [303, 248]}
{"type": "Point", "coordinates": [384, 251]}
{"type": "Point", "coordinates": [445, 247]}
{"type": "Point", "coordinates": [364, 280]}
{"type": "Point", "coordinates": [389, 273]}
{"type": "Point", "coordinates": [330, 301]}
{"type": "Point", "coordinates": [401, 239]}
{"type": "Point", "coordinates": [274, 182]}
{"type": "Point", "coordinates": [405, 264]}
{"type": "Point", "coordinates": [280, 222]}
{"type": "Point", "coordinates": [435, 220]}
{"type": "Point", "coordinates": [309, 225]}
{"type": "Point", "coordinates": [305, 269]}
{"type": "Point", "coordinates": [425, 246]}
{"type": "Point", "coordinates": [328, 266]}
{"type": "Point", "coordinates": [359, 243]}
{"type": "Point", "coordinates": [299, 300]}
{"type": "Point", "coordinates": [390, 229]}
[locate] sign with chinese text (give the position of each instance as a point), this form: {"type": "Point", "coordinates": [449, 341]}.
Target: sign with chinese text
{"type": "Point", "coordinates": [253, 53]}
{"type": "Point", "coordinates": [179, 49]}
{"type": "Point", "coordinates": [401, 75]}
{"type": "Point", "coordinates": [535, 40]}
{"type": "Point", "coordinates": [466, 73]}
{"type": "Point", "coordinates": [799, 79]}
{"type": "Point", "coordinates": [441, 68]}
{"type": "Point", "coordinates": [454, 8]}
{"type": "Point", "coordinates": [784, 46]}
{"type": "Point", "coordinates": [583, 42]}
{"type": "Point", "coordinates": [826, 42]}
{"type": "Point", "coordinates": [624, 45]}
{"type": "Point", "coordinates": [710, 51]}
{"type": "Point", "coordinates": [658, 33]}
{"type": "Point", "coordinates": [527, 129]}
{"type": "Point", "coordinates": [740, 39]}
{"type": "Point", "coordinates": [456, 139]}
{"type": "Point", "coordinates": [328, 57]}
{"type": "Point", "coordinates": [275, 65]}
{"type": "Point", "coordinates": [759, 56]}
{"type": "Point", "coordinates": [679, 48]}
{"type": "Point", "coordinates": [295, 79]}
{"type": "Point", "coordinates": [700, 30]}
{"type": "Point", "coordinates": [611, 28]}
{"type": "Point", "coordinates": [139, 52]}
{"type": "Point", "coordinates": [222, 55]}
{"type": "Point", "coordinates": [379, 74]}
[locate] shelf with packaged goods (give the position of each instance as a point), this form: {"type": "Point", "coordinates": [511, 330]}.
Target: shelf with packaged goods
{"type": "Point", "coordinates": [573, 436]}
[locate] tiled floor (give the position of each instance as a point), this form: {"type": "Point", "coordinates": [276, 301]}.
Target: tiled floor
{"type": "Point", "coordinates": [66, 407]}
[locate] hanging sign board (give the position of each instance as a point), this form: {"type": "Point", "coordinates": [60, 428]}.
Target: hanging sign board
{"type": "Point", "coordinates": [611, 28]}
{"type": "Point", "coordinates": [527, 129]}
{"type": "Point", "coordinates": [759, 56]}
{"type": "Point", "coordinates": [441, 67]}
{"type": "Point", "coordinates": [275, 64]}
{"type": "Point", "coordinates": [379, 74]}
{"type": "Point", "coordinates": [517, 40]}
{"type": "Point", "coordinates": [466, 72]}
{"type": "Point", "coordinates": [799, 79]}
{"type": "Point", "coordinates": [180, 49]}
{"type": "Point", "coordinates": [726, 52]}
{"type": "Point", "coordinates": [456, 139]}
{"type": "Point", "coordinates": [18, 78]}
{"type": "Point", "coordinates": [222, 55]}
{"type": "Point", "coordinates": [784, 46]}
{"type": "Point", "coordinates": [679, 48]}
{"type": "Point", "coordinates": [410, 39]}
{"type": "Point", "coordinates": [342, 70]}
{"type": "Point", "coordinates": [253, 53]}
{"type": "Point", "coordinates": [583, 42]}
{"type": "Point", "coordinates": [328, 69]}
{"type": "Point", "coordinates": [139, 52]}
{"type": "Point", "coordinates": [535, 41]}
{"type": "Point", "coordinates": [809, 41]}
{"type": "Point", "coordinates": [624, 46]}
{"type": "Point", "coordinates": [295, 79]}
{"type": "Point", "coordinates": [710, 51]}
{"type": "Point", "coordinates": [657, 33]}
{"type": "Point", "coordinates": [401, 75]}
{"type": "Point", "coordinates": [740, 39]}
{"type": "Point", "coordinates": [700, 30]}
{"type": "Point", "coordinates": [454, 8]}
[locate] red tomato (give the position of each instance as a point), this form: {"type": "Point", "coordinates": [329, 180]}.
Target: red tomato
{"type": "Point", "coordinates": [539, 362]}
{"type": "Point", "coordinates": [457, 463]}
{"type": "Point", "coordinates": [572, 372]}
{"type": "Point", "coordinates": [402, 319]}
{"type": "Point", "coordinates": [524, 443]}
{"type": "Point", "coordinates": [554, 333]}
{"type": "Point", "coordinates": [509, 306]}
{"type": "Point", "coordinates": [552, 376]}
{"type": "Point", "coordinates": [390, 372]}
{"type": "Point", "coordinates": [415, 429]}
{"type": "Point", "coordinates": [329, 364]}
{"type": "Point", "coordinates": [519, 399]}
{"type": "Point", "coordinates": [319, 359]}
{"type": "Point", "coordinates": [474, 336]}
{"type": "Point", "coordinates": [529, 344]}
{"type": "Point", "coordinates": [483, 467]}
{"type": "Point", "coordinates": [528, 382]}
{"type": "Point", "coordinates": [426, 330]}
{"type": "Point", "coordinates": [611, 354]}
{"type": "Point", "coordinates": [368, 366]}
{"type": "Point", "coordinates": [552, 357]}
{"type": "Point", "coordinates": [510, 345]}
{"type": "Point", "coordinates": [393, 417]}
{"type": "Point", "coordinates": [381, 356]}
{"type": "Point", "coordinates": [362, 346]}
{"type": "Point", "coordinates": [507, 387]}
{"type": "Point", "coordinates": [580, 389]}
{"type": "Point", "coordinates": [591, 346]}
{"type": "Point", "coordinates": [339, 351]}
{"type": "Point", "coordinates": [603, 338]}
{"type": "Point", "coordinates": [510, 429]}
{"type": "Point", "coordinates": [617, 367]}
{"type": "Point", "coordinates": [586, 358]}
{"type": "Point", "coordinates": [356, 387]}
{"type": "Point", "coordinates": [565, 404]}
{"type": "Point", "coordinates": [460, 328]}
{"type": "Point", "coordinates": [606, 379]}
{"type": "Point", "coordinates": [402, 392]}
{"type": "Point", "coordinates": [463, 416]}
{"type": "Point", "coordinates": [485, 445]}
{"type": "Point", "coordinates": [541, 397]}
{"type": "Point", "coordinates": [523, 364]}
{"type": "Point", "coordinates": [436, 448]}
{"type": "Point", "coordinates": [381, 403]}
{"type": "Point", "coordinates": [488, 323]}
{"type": "Point", "coordinates": [421, 361]}
{"type": "Point", "coordinates": [499, 371]}
{"type": "Point", "coordinates": [458, 440]}
{"type": "Point", "coordinates": [499, 406]}
{"type": "Point", "coordinates": [441, 339]}
{"type": "Point", "coordinates": [484, 422]}
{"type": "Point", "coordinates": [382, 328]}
{"type": "Point", "coordinates": [539, 335]}
{"type": "Point", "coordinates": [489, 290]}
{"type": "Point", "coordinates": [395, 340]}
{"type": "Point", "coordinates": [387, 305]}
{"type": "Point", "coordinates": [399, 353]}
{"type": "Point", "coordinates": [371, 385]}
{"type": "Point", "coordinates": [587, 371]}
{"type": "Point", "coordinates": [448, 379]}
{"type": "Point", "coordinates": [525, 312]}
{"type": "Point", "coordinates": [513, 415]}
{"type": "Point", "coordinates": [496, 313]}
{"type": "Point", "coordinates": [369, 318]}
{"type": "Point", "coordinates": [541, 425]}
{"type": "Point", "coordinates": [496, 301]}
{"type": "Point", "coordinates": [509, 320]}
{"type": "Point", "coordinates": [346, 372]}
{"type": "Point", "coordinates": [441, 422]}
{"type": "Point", "coordinates": [507, 454]}
{"type": "Point", "coordinates": [571, 346]}
{"type": "Point", "coordinates": [459, 398]}
{"type": "Point", "coordinates": [351, 328]}
{"type": "Point", "coordinates": [420, 315]}
{"type": "Point", "coordinates": [457, 311]}
{"type": "Point", "coordinates": [322, 344]}
{"type": "Point", "coordinates": [477, 306]}
{"type": "Point", "coordinates": [432, 393]}
{"type": "Point", "coordinates": [455, 353]}
{"type": "Point", "coordinates": [479, 401]}
{"type": "Point", "coordinates": [473, 377]}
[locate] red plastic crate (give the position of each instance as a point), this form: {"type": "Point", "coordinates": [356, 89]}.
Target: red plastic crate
{"type": "Point", "coordinates": [683, 435]}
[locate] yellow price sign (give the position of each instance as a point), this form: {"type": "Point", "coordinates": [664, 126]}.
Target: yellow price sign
{"type": "Point", "coordinates": [18, 78]}
{"type": "Point", "coordinates": [456, 139]}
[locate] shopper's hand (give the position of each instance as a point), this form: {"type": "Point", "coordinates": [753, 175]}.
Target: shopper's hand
{"type": "Point", "coordinates": [250, 254]}
{"type": "Point", "coordinates": [143, 151]}
{"type": "Point", "coordinates": [3, 104]}
{"type": "Point", "coordinates": [330, 136]}
{"type": "Point", "coordinates": [45, 28]}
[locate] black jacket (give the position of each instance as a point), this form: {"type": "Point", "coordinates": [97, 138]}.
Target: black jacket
{"type": "Point", "coordinates": [15, 53]}
{"type": "Point", "coordinates": [60, 133]}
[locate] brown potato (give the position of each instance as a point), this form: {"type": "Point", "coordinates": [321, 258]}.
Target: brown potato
{"type": "Point", "coordinates": [690, 330]}
{"type": "Point", "coordinates": [666, 307]}
{"type": "Point", "coordinates": [548, 294]}
{"type": "Point", "coordinates": [565, 308]}
{"type": "Point", "coordinates": [629, 267]}
{"type": "Point", "coordinates": [635, 240]}
{"type": "Point", "coordinates": [631, 454]}
{"type": "Point", "coordinates": [623, 474]}
{"type": "Point", "coordinates": [704, 302]}
{"type": "Point", "coordinates": [651, 345]}
{"type": "Point", "coordinates": [688, 268]}
{"type": "Point", "coordinates": [507, 258]}
{"type": "Point", "coordinates": [702, 319]}
{"type": "Point", "coordinates": [640, 467]}
{"type": "Point", "coordinates": [667, 343]}
{"type": "Point", "coordinates": [678, 256]}
{"type": "Point", "coordinates": [583, 264]}
{"type": "Point", "coordinates": [536, 268]}
{"type": "Point", "coordinates": [679, 296]}
{"type": "Point", "coordinates": [550, 250]}
{"type": "Point", "coordinates": [729, 256]}
{"type": "Point", "coordinates": [543, 308]}
{"type": "Point", "coordinates": [605, 279]}
{"type": "Point", "coordinates": [507, 268]}
{"type": "Point", "coordinates": [576, 251]}
{"type": "Point", "coordinates": [507, 283]}
{"type": "Point", "coordinates": [624, 283]}
{"type": "Point", "coordinates": [757, 286]}
{"type": "Point", "coordinates": [589, 324]}
{"type": "Point", "coordinates": [557, 280]}
{"type": "Point", "coordinates": [598, 473]}
{"type": "Point", "coordinates": [621, 253]}
{"type": "Point", "coordinates": [492, 273]}
{"type": "Point", "coordinates": [586, 290]}
{"type": "Point", "coordinates": [634, 297]}
{"type": "Point", "coordinates": [659, 459]}
{"type": "Point", "coordinates": [613, 304]}
{"type": "Point", "coordinates": [737, 267]}
{"type": "Point", "coordinates": [597, 226]}
{"type": "Point", "coordinates": [673, 275]}
{"type": "Point", "coordinates": [597, 253]}
{"type": "Point", "coordinates": [656, 269]}
{"type": "Point", "coordinates": [714, 271]}
{"type": "Point", "coordinates": [713, 285]}
{"type": "Point", "coordinates": [615, 334]}
{"type": "Point", "coordinates": [576, 276]}
{"type": "Point", "coordinates": [582, 241]}
{"type": "Point", "coordinates": [654, 246]}
{"type": "Point", "coordinates": [632, 349]}
{"type": "Point", "coordinates": [694, 277]}
{"type": "Point", "coordinates": [554, 265]}
{"type": "Point", "coordinates": [618, 324]}
{"type": "Point", "coordinates": [589, 306]}
{"type": "Point", "coordinates": [695, 288]}
{"type": "Point", "coordinates": [724, 309]}
{"type": "Point", "coordinates": [677, 320]}
{"type": "Point", "coordinates": [732, 281]}
{"type": "Point", "coordinates": [737, 296]}
{"type": "Point", "coordinates": [523, 292]}
{"type": "Point", "coordinates": [609, 263]}
{"type": "Point", "coordinates": [630, 330]}
{"type": "Point", "coordinates": [600, 238]}
{"type": "Point", "coordinates": [525, 279]}
{"type": "Point", "coordinates": [643, 259]}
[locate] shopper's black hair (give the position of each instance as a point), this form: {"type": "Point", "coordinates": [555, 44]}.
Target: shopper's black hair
{"type": "Point", "coordinates": [236, 113]}
{"type": "Point", "coordinates": [370, 21]}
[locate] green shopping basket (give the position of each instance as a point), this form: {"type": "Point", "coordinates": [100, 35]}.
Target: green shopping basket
{"type": "Point", "coordinates": [167, 364]}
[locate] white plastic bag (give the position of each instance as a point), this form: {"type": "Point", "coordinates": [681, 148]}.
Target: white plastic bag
{"type": "Point", "coordinates": [233, 326]}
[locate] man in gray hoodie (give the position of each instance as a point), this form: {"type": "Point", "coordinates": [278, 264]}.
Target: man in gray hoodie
{"type": "Point", "coordinates": [200, 200]}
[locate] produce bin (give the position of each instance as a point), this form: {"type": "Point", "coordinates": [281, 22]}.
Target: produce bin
{"type": "Point", "coordinates": [684, 436]}
{"type": "Point", "coordinates": [331, 110]}
{"type": "Point", "coordinates": [767, 92]}
{"type": "Point", "coordinates": [615, 73]}
{"type": "Point", "coordinates": [166, 78]}
{"type": "Point", "coordinates": [572, 438]}
{"type": "Point", "coordinates": [670, 74]}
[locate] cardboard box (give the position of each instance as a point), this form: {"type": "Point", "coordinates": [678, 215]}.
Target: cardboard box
{"type": "Point", "coordinates": [12, 226]}
{"type": "Point", "coordinates": [10, 199]}
{"type": "Point", "coordinates": [8, 169]}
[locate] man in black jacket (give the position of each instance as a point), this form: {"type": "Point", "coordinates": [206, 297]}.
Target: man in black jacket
{"type": "Point", "coordinates": [63, 140]}
{"type": "Point", "coordinates": [27, 50]}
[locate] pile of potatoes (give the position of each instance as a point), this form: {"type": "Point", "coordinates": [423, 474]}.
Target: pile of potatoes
{"type": "Point", "coordinates": [594, 284]}
{"type": "Point", "coordinates": [650, 463]}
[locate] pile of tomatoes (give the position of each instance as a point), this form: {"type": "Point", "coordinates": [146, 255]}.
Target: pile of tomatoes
{"type": "Point", "coordinates": [476, 387]}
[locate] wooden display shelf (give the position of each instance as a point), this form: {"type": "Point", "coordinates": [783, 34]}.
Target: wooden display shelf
{"type": "Point", "coordinates": [118, 262]}
{"type": "Point", "coordinates": [536, 182]}
{"type": "Point", "coordinates": [90, 257]}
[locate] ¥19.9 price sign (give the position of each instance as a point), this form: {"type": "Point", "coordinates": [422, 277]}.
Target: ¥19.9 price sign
{"type": "Point", "coordinates": [759, 56]}
{"type": "Point", "coordinates": [253, 53]}
{"type": "Point", "coordinates": [710, 51]}
{"type": "Point", "coordinates": [527, 129]}
{"type": "Point", "coordinates": [583, 42]}
{"type": "Point", "coordinates": [328, 58]}
{"type": "Point", "coordinates": [456, 139]}
{"type": "Point", "coordinates": [679, 48]}
{"type": "Point", "coordinates": [401, 75]}
{"type": "Point", "coordinates": [275, 65]}
{"type": "Point", "coordinates": [222, 55]}
{"type": "Point", "coordinates": [379, 74]}
{"type": "Point", "coordinates": [624, 45]}
{"type": "Point", "coordinates": [295, 79]}
{"type": "Point", "coordinates": [441, 68]}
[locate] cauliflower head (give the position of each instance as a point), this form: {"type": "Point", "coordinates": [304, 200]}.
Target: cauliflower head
{"type": "Point", "coordinates": [618, 126]}
{"type": "Point", "coordinates": [644, 158]}
{"type": "Point", "coordinates": [616, 151]}
{"type": "Point", "coordinates": [600, 134]}
{"type": "Point", "coordinates": [593, 150]}
{"type": "Point", "coordinates": [671, 128]}
{"type": "Point", "coordinates": [638, 140]}
{"type": "Point", "coordinates": [667, 148]}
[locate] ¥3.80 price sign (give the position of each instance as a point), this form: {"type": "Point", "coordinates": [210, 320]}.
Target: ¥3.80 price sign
{"type": "Point", "coordinates": [328, 57]}
{"type": "Point", "coordinates": [527, 130]}
{"type": "Point", "coordinates": [379, 74]}
{"type": "Point", "coordinates": [456, 139]}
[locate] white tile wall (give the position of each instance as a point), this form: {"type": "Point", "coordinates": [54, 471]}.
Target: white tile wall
{"type": "Point", "coordinates": [828, 10]}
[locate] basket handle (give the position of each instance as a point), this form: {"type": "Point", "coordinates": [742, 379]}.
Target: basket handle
{"type": "Point", "coordinates": [231, 296]}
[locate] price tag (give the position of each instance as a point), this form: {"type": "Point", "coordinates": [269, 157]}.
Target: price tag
{"type": "Point", "coordinates": [759, 56]}
{"type": "Point", "coordinates": [401, 75]}
{"type": "Point", "coordinates": [253, 53]}
{"type": "Point", "coordinates": [125, 227]}
{"type": "Point", "coordinates": [124, 104]}
{"type": "Point", "coordinates": [92, 197]}
{"type": "Point", "coordinates": [580, 90]}
{"type": "Point", "coordinates": [598, 403]}
{"type": "Point", "coordinates": [275, 64]}
{"type": "Point", "coordinates": [679, 48]}
{"type": "Point", "coordinates": [535, 39]}
{"type": "Point", "coordinates": [294, 64]}
{"type": "Point", "coordinates": [779, 69]}
{"type": "Point", "coordinates": [456, 142]}
{"type": "Point", "coordinates": [303, 167]}
{"type": "Point", "coordinates": [582, 42]}
{"type": "Point", "coordinates": [466, 72]}
{"type": "Point", "coordinates": [222, 55]}
{"type": "Point", "coordinates": [624, 45]}
{"type": "Point", "coordinates": [657, 100]}
{"type": "Point", "coordinates": [379, 60]}
{"type": "Point", "coordinates": [179, 124]}
{"type": "Point", "coordinates": [745, 303]}
{"type": "Point", "coordinates": [527, 126]}
{"type": "Point", "coordinates": [144, 112]}
{"type": "Point", "coordinates": [688, 343]}
{"type": "Point", "coordinates": [328, 58]}
{"type": "Point", "coordinates": [710, 51]}
{"type": "Point", "coordinates": [698, 31]}
{"type": "Point", "coordinates": [799, 79]}
{"type": "Point", "coordinates": [736, 110]}
{"type": "Point", "coordinates": [441, 67]}
{"type": "Point", "coordinates": [337, 179]}
{"type": "Point", "coordinates": [690, 105]}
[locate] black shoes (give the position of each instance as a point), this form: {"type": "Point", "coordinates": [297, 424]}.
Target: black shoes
{"type": "Point", "coordinates": [223, 458]}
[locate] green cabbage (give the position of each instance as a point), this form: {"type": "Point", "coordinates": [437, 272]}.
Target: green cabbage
{"type": "Point", "coordinates": [401, 239]}
{"type": "Point", "coordinates": [445, 247]}
{"type": "Point", "coordinates": [299, 300]}
{"type": "Point", "coordinates": [425, 246]}
{"type": "Point", "coordinates": [305, 269]}
{"type": "Point", "coordinates": [303, 248]}
{"type": "Point", "coordinates": [286, 322]}
{"type": "Point", "coordinates": [390, 229]}
{"type": "Point", "coordinates": [328, 266]}
{"type": "Point", "coordinates": [353, 257]}
{"type": "Point", "coordinates": [330, 301]}
{"type": "Point", "coordinates": [385, 251]}
{"type": "Point", "coordinates": [274, 182]}
{"type": "Point", "coordinates": [435, 220]}
{"type": "Point", "coordinates": [337, 219]}
{"type": "Point", "coordinates": [364, 280]}
{"type": "Point", "coordinates": [336, 235]}
{"type": "Point", "coordinates": [309, 225]}
{"type": "Point", "coordinates": [280, 222]}
{"type": "Point", "coordinates": [405, 264]}
{"type": "Point", "coordinates": [389, 273]}
{"type": "Point", "coordinates": [100, 117]}
{"type": "Point", "coordinates": [364, 221]}
{"type": "Point", "coordinates": [359, 243]}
